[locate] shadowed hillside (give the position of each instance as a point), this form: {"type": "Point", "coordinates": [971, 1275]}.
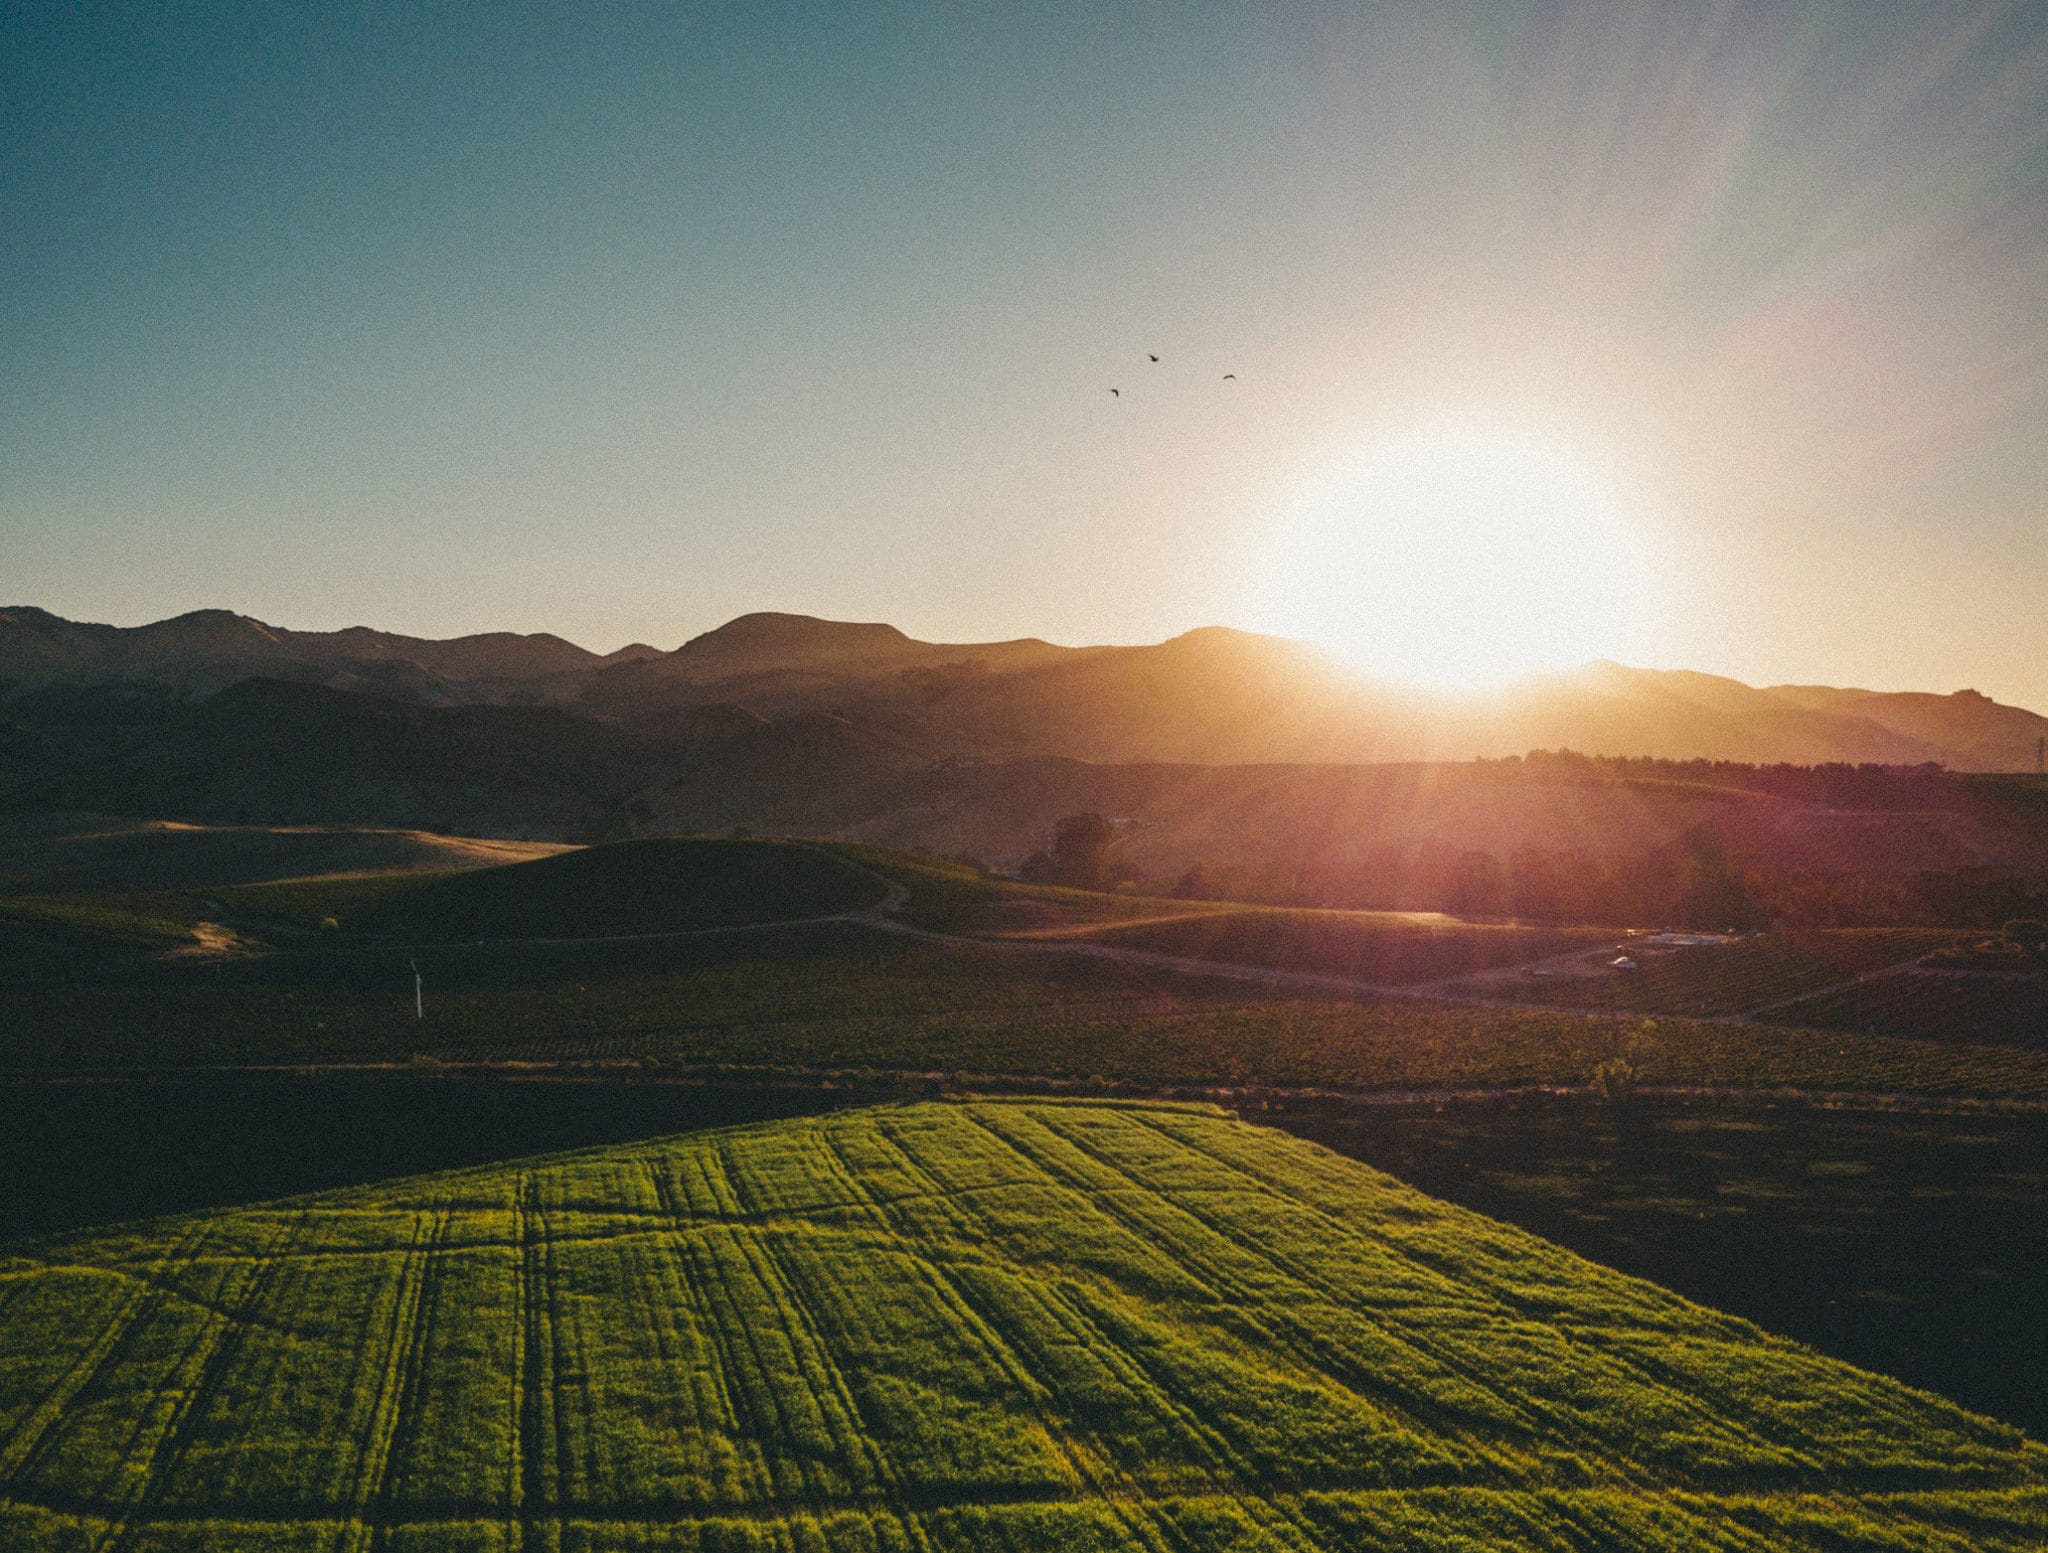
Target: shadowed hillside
{"type": "Point", "coordinates": [668, 886]}
{"type": "Point", "coordinates": [1212, 695]}
{"type": "Point", "coordinates": [1562, 838]}
{"type": "Point", "coordinates": [270, 752]}
{"type": "Point", "coordinates": [62, 854]}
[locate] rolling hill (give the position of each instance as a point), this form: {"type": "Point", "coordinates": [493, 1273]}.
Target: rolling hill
{"type": "Point", "coordinates": [270, 753]}
{"type": "Point", "coordinates": [282, 753]}
{"type": "Point", "coordinates": [627, 889]}
{"type": "Point", "coordinates": [210, 649]}
{"type": "Point", "coordinates": [1016, 1325]}
{"type": "Point", "coordinates": [1250, 758]}
{"type": "Point", "coordinates": [65, 854]}
{"type": "Point", "coordinates": [1212, 695]}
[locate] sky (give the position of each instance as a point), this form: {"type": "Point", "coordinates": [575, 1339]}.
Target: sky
{"type": "Point", "coordinates": [1700, 335]}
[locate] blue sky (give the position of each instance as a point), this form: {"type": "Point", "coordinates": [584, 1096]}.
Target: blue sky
{"type": "Point", "coordinates": [618, 321]}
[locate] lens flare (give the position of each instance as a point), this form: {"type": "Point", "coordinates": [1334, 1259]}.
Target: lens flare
{"type": "Point", "coordinates": [1460, 557]}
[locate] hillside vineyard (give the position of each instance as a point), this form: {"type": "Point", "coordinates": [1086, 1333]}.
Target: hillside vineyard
{"type": "Point", "coordinates": [935, 1326]}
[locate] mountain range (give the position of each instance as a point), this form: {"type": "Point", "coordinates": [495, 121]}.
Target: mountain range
{"type": "Point", "coordinates": [1251, 757]}
{"type": "Point", "coordinates": [1212, 696]}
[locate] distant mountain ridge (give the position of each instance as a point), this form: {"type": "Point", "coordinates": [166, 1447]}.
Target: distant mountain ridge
{"type": "Point", "coordinates": [1212, 696]}
{"type": "Point", "coordinates": [209, 649]}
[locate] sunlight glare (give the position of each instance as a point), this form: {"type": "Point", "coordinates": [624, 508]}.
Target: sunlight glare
{"type": "Point", "coordinates": [1459, 558]}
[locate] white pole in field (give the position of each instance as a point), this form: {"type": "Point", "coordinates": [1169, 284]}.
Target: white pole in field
{"type": "Point", "coordinates": [419, 997]}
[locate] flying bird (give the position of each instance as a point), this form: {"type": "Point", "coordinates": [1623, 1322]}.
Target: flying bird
{"type": "Point", "coordinates": [1230, 377]}
{"type": "Point", "coordinates": [1114, 394]}
{"type": "Point", "coordinates": [1150, 357]}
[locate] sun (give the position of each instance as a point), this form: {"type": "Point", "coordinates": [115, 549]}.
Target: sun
{"type": "Point", "coordinates": [1460, 557]}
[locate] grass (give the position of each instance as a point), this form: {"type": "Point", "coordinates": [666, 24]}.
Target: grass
{"type": "Point", "coordinates": [50, 855]}
{"type": "Point", "coordinates": [677, 885]}
{"type": "Point", "coordinates": [949, 897]}
{"type": "Point", "coordinates": [1904, 1243]}
{"type": "Point", "coordinates": [843, 995]}
{"type": "Point", "coordinates": [936, 1327]}
{"type": "Point", "coordinates": [1745, 974]}
{"type": "Point", "coordinates": [1934, 1005]}
{"type": "Point", "coordinates": [680, 884]}
{"type": "Point", "coordinates": [1390, 948]}
{"type": "Point", "coordinates": [100, 921]}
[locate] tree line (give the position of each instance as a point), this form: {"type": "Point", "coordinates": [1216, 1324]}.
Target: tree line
{"type": "Point", "coordinates": [1696, 881]}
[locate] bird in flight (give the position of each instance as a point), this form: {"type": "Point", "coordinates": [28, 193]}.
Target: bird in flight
{"type": "Point", "coordinates": [1150, 357]}
{"type": "Point", "coordinates": [1114, 394]}
{"type": "Point", "coordinates": [1230, 377]}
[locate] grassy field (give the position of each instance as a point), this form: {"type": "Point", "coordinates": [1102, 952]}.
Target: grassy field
{"type": "Point", "coordinates": [51, 855]}
{"type": "Point", "coordinates": [841, 995]}
{"type": "Point", "coordinates": [1934, 1005]}
{"type": "Point", "coordinates": [1390, 948]}
{"type": "Point", "coordinates": [1903, 1243]}
{"type": "Point", "coordinates": [950, 897]}
{"type": "Point", "coordinates": [682, 885]}
{"type": "Point", "coordinates": [936, 1327]}
{"type": "Point", "coordinates": [1746, 974]}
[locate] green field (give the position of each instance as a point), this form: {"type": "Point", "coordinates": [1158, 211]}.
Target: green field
{"type": "Point", "coordinates": [680, 885]}
{"type": "Point", "coordinates": [674, 885]}
{"type": "Point", "coordinates": [1017, 1004]}
{"type": "Point", "coordinates": [1743, 975]}
{"type": "Point", "coordinates": [73, 854]}
{"type": "Point", "coordinates": [1904, 1242]}
{"type": "Point", "coordinates": [999, 1325]}
{"type": "Point", "coordinates": [1389, 948]}
{"type": "Point", "coordinates": [952, 897]}
{"type": "Point", "coordinates": [843, 995]}
{"type": "Point", "coordinates": [1934, 1005]}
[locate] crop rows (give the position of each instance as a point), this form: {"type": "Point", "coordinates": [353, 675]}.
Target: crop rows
{"type": "Point", "coordinates": [841, 996]}
{"type": "Point", "coordinates": [934, 1326]}
{"type": "Point", "coordinates": [1374, 947]}
{"type": "Point", "coordinates": [1934, 1005]}
{"type": "Point", "coordinates": [1737, 977]}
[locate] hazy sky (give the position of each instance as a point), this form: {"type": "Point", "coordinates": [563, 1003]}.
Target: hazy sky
{"type": "Point", "coordinates": [618, 321]}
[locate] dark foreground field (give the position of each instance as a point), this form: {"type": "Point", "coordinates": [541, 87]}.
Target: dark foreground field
{"type": "Point", "coordinates": [1916, 1245]}
{"type": "Point", "coordinates": [78, 1154]}
{"type": "Point", "coordinates": [937, 1326]}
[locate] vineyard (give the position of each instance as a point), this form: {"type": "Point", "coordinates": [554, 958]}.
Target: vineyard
{"type": "Point", "coordinates": [1389, 948]}
{"type": "Point", "coordinates": [841, 995]}
{"type": "Point", "coordinates": [1740, 976]}
{"type": "Point", "coordinates": [944, 1327]}
{"type": "Point", "coordinates": [1934, 1005]}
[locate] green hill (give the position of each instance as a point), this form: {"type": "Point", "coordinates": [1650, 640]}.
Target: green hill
{"type": "Point", "coordinates": [630, 887]}
{"type": "Point", "coordinates": [90, 853]}
{"type": "Point", "coordinates": [940, 1327]}
{"type": "Point", "coordinates": [626, 889]}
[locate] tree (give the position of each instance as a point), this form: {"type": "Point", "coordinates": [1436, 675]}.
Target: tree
{"type": "Point", "coordinates": [1080, 851]}
{"type": "Point", "coordinates": [1538, 887]}
{"type": "Point", "coordinates": [2030, 934]}
{"type": "Point", "coordinates": [1477, 888]}
{"type": "Point", "coordinates": [1082, 855]}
